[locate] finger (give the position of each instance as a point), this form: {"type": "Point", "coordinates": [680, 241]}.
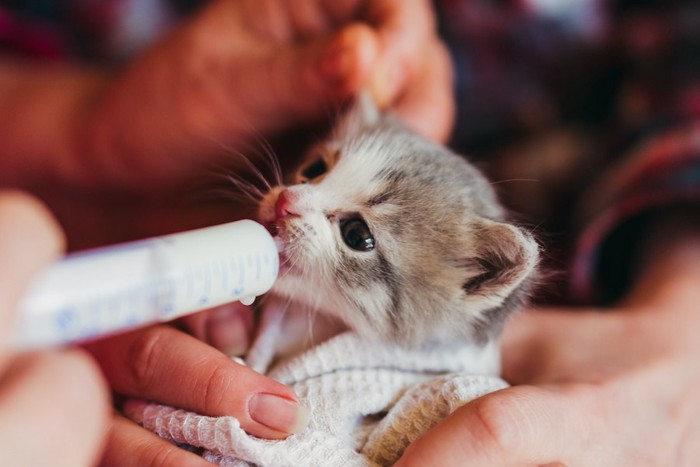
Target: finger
{"type": "Point", "coordinates": [428, 104]}
{"type": "Point", "coordinates": [307, 82]}
{"type": "Point", "coordinates": [516, 426]}
{"type": "Point", "coordinates": [404, 28]}
{"type": "Point", "coordinates": [29, 239]}
{"type": "Point", "coordinates": [413, 73]}
{"type": "Point", "coordinates": [288, 21]}
{"type": "Point", "coordinates": [53, 410]}
{"type": "Point", "coordinates": [130, 445]}
{"type": "Point", "coordinates": [165, 365]}
{"type": "Point", "coordinates": [228, 328]}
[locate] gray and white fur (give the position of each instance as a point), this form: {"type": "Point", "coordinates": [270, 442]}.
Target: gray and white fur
{"type": "Point", "coordinates": [437, 262]}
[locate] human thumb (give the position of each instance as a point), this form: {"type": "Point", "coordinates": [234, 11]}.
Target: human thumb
{"type": "Point", "coordinates": [521, 425]}
{"type": "Point", "coordinates": [29, 238]}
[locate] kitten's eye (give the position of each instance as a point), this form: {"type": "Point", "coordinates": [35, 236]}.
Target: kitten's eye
{"type": "Point", "coordinates": [315, 169]}
{"type": "Point", "coordinates": [356, 234]}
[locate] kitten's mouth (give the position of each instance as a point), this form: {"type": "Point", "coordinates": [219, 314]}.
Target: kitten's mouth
{"type": "Point", "coordinates": [273, 228]}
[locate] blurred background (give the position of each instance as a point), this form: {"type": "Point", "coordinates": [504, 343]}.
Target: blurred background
{"type": "Point", "coordinates": [549, 92]}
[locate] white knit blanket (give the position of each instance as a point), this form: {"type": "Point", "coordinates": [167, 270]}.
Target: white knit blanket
{"type": "Point", "coordinates": [368, 402]}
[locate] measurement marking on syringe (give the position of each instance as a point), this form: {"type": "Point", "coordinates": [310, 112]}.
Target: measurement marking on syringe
{"type": "Point", "coordinates": [206, 286]}
{"type": "Point", "coordinates": [232, 285]}
{"type": "Point", "coordinates": [224, 275]}
{"type": "Point", "coordinates": [65, 318]}
{"type": "Point", "coordinates": [156, 279]}
{"type": "Point", "coordinates": [215, 274]}
{"type": "Point", "coordinates": [241, 273]}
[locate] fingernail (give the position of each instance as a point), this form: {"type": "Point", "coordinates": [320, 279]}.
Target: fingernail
{"type": "Point", "coordinates": [278, 413]}
{"type": "Point", "coordinates": [229, 334]}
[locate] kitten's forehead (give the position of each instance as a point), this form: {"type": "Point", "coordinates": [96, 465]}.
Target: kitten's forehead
{"type": "Point", "coordinates": [359, 166]}
{"type": "Point", "coordinates": [387, 161]}
{"type": "Point", "coordinates": [372, 157]}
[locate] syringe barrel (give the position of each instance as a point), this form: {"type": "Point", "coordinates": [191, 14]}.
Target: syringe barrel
{"type": "Point", "coordinates": [106, 290]}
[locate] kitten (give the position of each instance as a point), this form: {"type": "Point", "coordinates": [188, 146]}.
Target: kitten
{"type": "Point", "coordinates": [404, 243]}
{"type": "Point", "coordinates": [396, 237]}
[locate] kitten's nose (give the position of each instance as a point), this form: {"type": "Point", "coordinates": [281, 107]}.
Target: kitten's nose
{"type": "Point", "coordinates": [285, 206]}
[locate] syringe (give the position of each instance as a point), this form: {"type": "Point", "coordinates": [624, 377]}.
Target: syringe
{"type": "Point", "coordinates": [106, 290]}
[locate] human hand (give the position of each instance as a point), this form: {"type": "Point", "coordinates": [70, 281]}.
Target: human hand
{"type": "Point", "coordinates": [242, 69]}
{"type": "Point", "coordinates": [167, 366]}
{"type": "Point", "coordinates": [614, 387]}
{"type": "Point", "coordinates": [53, 406]}
{"type": "Point", "coordinates": [178, 117]}
{"type": "Point", "coordinates": [158, 363]}
{"type": "Point", "coordinates": [229, 328]}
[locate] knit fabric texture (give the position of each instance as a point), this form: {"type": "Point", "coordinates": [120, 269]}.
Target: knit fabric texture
{"type": "Point", "coordinates": [368, 402]}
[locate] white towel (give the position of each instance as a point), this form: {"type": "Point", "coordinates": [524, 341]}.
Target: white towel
{"type": "Point", "coordinates": [368, 402]}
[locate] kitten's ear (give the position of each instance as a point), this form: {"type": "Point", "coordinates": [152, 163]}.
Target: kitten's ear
{"type": "Point", "coordinates": [362, 114]}
{"type": "Point", "coordinates": [505, 257]}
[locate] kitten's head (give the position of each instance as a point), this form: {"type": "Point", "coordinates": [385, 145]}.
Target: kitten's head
{"type": "Point", "coordinates": [397, 237]}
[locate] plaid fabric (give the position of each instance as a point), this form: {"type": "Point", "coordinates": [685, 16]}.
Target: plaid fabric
{"type": "Point", "coordinates": [89, 30]}
{"type": "Point", "coordinates": [663, 172]}
{"type": "Point", "coordinates": [585, 113]}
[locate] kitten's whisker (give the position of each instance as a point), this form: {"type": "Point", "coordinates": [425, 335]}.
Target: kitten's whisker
{"type": "Point", "coordinates": [239, 197]}
{"type": "Point", "coordinates": [245, 187]}
{"type": "Point", "coordinates": [255, 171]}
{"type": "Point", "coordinates": [247, 162]}
{"type": "Point", "coordinates": [508, 180]}
{"type": "Point", "coordinates": [287, 305]}
{"type": "Point", "coordinates": [258, 173]}
{"type": "Point", "coordinates": [270, 158]}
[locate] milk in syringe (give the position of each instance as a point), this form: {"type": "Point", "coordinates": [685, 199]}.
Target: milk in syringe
{"type": "Point", "coordinates": [106, 290]}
